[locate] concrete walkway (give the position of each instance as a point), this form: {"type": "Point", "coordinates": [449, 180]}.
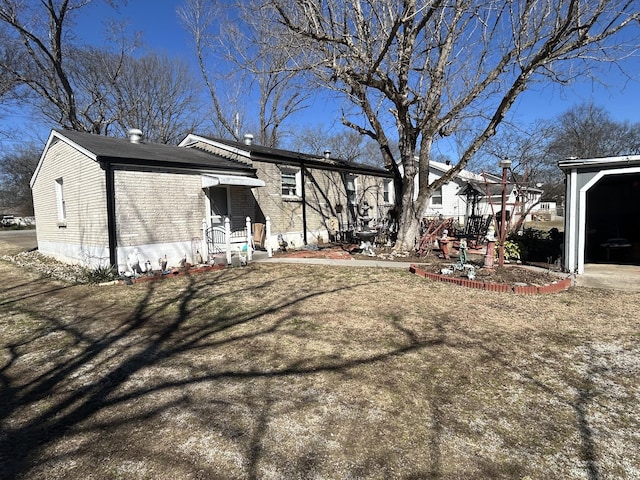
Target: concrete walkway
{"type": "Point", "coordinates": [624, 278]}
{"type": "Point", "coordinates": [263, 258]}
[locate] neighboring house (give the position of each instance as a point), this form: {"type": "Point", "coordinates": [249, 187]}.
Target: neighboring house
{"type": "Point", "coordinates": [602, 208]}
{"type": "Point", "coordinates": [308, 198]}
{"type": "Point", "coordinates": [98, 199]}
{"type": "Point", "coordinates": [449, 200]}
{"type": "Point", "coordinates": [471, 194]}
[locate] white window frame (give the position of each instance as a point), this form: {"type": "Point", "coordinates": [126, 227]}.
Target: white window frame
{"type": "Point", "coordinates": [60, 201]}
{"type": "Point", "coordinates": [293, 191]}
{"type": "Point", "coordinates": [387, 191]}
{"type": "Point", "coordinates": [435, 195]}
{"type": "Point", "coordinates": [351, 180]}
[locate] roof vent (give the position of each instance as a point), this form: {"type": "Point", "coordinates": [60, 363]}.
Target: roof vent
{"type": "Point", "coordinates": [327, 154]}
{"type": "Point", "coordinates": [135, 135]}
{"type": "Point", "coordinates": [248, 139]}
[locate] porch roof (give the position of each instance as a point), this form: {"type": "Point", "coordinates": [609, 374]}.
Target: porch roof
{"type": "Point", "coordinates": [213, 180]}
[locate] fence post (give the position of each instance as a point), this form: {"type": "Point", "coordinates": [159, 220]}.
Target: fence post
{"type": "Point", "coordinates": [249, 240]}
{"type": "Point", "coordinates": [227, 238]}
{"type": "Point", "coordinates": [267, 237]}
{"type": "Point", "coordinates": [205, 243]}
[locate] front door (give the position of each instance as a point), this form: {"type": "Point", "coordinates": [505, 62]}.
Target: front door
{"type": "Point", "coordinates": [219, 201]}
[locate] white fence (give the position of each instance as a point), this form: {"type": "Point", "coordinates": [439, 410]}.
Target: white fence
{"type": "Point", "coordinates": [221, 240]}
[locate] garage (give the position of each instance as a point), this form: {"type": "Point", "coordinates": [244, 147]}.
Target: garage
{"type": "Point", "coordinates": [602, 220]}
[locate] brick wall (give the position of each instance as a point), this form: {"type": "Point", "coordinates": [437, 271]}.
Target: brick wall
{"type": "Point", "coordinates": [155, 207]}
{"type": "Point", "coordinates": [324, 192]}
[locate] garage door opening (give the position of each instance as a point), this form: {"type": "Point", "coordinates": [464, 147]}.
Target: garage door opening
{"type": "Point", "coordinates": [613, 220]}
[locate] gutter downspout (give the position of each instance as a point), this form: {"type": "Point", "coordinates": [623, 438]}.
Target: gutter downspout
{"type": "Point", "coordinates": [111, 215]}
{"type": "Point", "coordinates": [304, 203]}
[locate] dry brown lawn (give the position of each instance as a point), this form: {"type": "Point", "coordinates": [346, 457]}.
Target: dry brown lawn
{"type": "Point", "coordinates": [315, 372]}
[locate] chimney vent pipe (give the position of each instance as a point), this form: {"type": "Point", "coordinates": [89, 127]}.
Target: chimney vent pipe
{"type": "Point", "coordinates": [135, 135]}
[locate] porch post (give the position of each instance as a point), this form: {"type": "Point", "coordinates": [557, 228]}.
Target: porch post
{"type": "Point", "coordinates": [249, 240]}
{"type": "Point", "coordinates": [268, 237]}
{"type": "Point", "coordinates": [205, 242]}
{"type": "Point", "coordinates": [227, 238]}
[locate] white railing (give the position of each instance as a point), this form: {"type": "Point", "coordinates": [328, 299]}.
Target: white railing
{"type": "Point", "coordinates": [222, 240]}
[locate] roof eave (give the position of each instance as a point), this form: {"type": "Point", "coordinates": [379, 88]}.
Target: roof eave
{"type": "Point", "coordinates": [171, 165]}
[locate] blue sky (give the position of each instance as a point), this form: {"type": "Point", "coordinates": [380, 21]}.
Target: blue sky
{"type": "Point", "coordinates": [157, 21]}
{"type": "Point", "coordinates": [161, 31]}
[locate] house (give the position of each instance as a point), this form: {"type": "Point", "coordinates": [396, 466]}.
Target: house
{"type": "Point", "coordinates": [98, 200]}
{"type": "Point", "coordinates": [472, 195]}
{"type": "Point", "coordinates": [308, 198]}
{"type": "Point", "coordinates": [449, 201]}
{"type": "Point", "coordinates": [101, 200]}
{"type": "Point", "coordinates": [602, 208]}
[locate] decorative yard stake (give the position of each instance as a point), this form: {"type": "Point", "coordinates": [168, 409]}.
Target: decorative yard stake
{"type": "Point", "coordinates": [491, 248]}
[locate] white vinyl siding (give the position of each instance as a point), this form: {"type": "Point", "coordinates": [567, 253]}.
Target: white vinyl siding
{"type": "Point", "coordinates": [69, 202]}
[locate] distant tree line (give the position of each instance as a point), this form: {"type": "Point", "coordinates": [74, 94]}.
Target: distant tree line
{"type": "Point", "coordinates": [585, 130]}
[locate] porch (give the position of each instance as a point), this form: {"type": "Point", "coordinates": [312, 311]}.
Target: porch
{"type": "Point", "coordinates": [224, 244]}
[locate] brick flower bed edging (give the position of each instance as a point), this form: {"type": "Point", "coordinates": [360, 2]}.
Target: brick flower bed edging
{"type": "Point", "coordinates": [553, 287]}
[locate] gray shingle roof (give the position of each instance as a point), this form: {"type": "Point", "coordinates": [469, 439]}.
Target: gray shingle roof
{"type": "Point", "coordinates": [122, 151]}
{"type": "Point", "coordinates": [277, 155]}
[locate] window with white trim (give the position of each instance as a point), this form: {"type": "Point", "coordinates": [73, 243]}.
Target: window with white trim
{"type": "Point", "coordinates": [291, 179]}
{"type": "Point", "coordinates": [436, 197]}
{"type": "Point", "coordinates": [60, 202]}
{"type": "Point", "coordinates": [387, 191]}
{"type": "Point", "coordinates": [352, 189]}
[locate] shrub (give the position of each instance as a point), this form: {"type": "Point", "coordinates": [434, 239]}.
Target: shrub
{"type": "Point", "coordinates": [102, 274]}
{"type": "Point", "coordinates": [511, 250]}
{"type": "Point", "coordinates": [539, 245]}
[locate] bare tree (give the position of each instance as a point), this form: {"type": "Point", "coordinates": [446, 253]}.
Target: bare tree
{"type": "Point", "coordinates": [588, 131]}
{"type": "Point", "coordinates": [583, 131]}
{"type": "Point", "coordinates": [418, 71]}
{"type": "Point", "coordinates": [98, 90]}
{"type": "Point", "coordinates": [241, 67]}
{"type": "Point", "coordinates": [38, 30]}
{"type": "Point", "coordinates": [8, 56]}
{"type": "Point", "coordinates": [16, 170]}
{"type": "Point", "coordinates": [345, 144]}
{"type": "Point", "coordinates": [159, 96]}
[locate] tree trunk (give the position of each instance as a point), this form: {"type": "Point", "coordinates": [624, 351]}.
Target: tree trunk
{"type": "Point", "coordinates": [408, 216]}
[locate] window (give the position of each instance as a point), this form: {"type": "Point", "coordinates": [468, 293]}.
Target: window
{"type": "Point", "coordinates": [351, 187]}
{"type": "Point", "coordinates": [387, 191]}
{"type": "Point", "coordinates": [291, 180]}
{"type": "Point", "coordinates": [60, 202]}
{"type": "Point", "coordinates": [436, 198]}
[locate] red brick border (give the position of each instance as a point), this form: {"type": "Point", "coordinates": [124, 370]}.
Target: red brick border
{"type": "Point", "coordinates": [553, 287]}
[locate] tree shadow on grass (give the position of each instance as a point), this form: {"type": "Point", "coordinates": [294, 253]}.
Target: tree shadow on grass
{"type": "Point", "coordinates": [579, 404]}
{"type": "Point", "coordinates": [83, 381]}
